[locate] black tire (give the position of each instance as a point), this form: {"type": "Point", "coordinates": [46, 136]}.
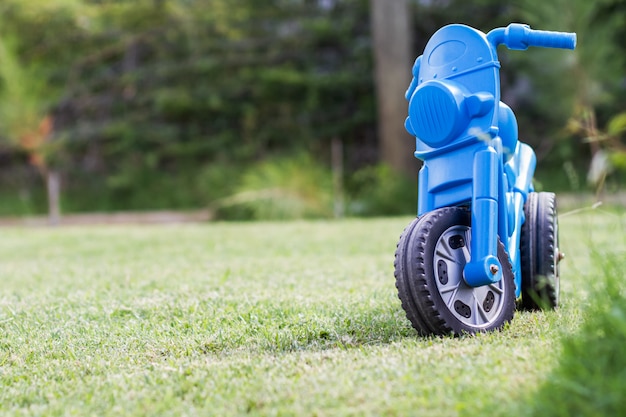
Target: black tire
{"type": "Point", "coordinates": [429, 264]}
{"type": "Point", "coordinates": [539, 250]}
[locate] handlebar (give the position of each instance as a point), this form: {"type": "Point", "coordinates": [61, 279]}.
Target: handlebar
{"type": "Point", "coordinates": [520, 37]}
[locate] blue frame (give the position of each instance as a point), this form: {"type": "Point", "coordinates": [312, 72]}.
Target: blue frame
{"type": "Point", "coordinates": [468, 139]}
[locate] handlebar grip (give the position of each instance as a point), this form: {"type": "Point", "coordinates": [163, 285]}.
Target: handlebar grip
{"type": "Point", "coordinates": [549, 39]}
{"type": "Point", "coordinates": [519, 36]}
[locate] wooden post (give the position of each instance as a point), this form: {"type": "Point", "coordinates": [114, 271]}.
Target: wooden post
{"type": "Point", "coordinates": [336, 151]}
{"type": "Point", "coordinates": [53, 180]}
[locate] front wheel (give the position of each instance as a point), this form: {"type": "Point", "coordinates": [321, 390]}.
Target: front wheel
{"type": "Point", "coordinates": [430, 258]}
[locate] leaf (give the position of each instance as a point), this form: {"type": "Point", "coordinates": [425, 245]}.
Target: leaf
{"type": "Point", "coordinates": [617, 125]}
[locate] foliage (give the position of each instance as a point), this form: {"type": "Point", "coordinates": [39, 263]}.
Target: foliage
{"type": "Point", "coordinates": [378, 189]}
{"type": "Point", "coordinates": [583, 87]}
{"type": "Point", "coordinates": [616, 132]}
{"type": "Point", "coordinates": [23, 118]}
{"type": "Point", "coordinates": [588, 380]}
{"type": "Point", "coordinates": [191, 85]}
{"type": "Point", "coordinates": [142, 96]}
{"type": "Point", "coordinates": [608, 164]}
{"type": "Point", "coordinates": [284, 188]}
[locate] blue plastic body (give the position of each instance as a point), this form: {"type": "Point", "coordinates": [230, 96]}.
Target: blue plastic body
{"type": "Point", "coordinates": [468, 138]}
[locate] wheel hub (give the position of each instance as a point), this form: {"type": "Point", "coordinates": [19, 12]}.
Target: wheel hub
{"type": "Point", "coordinates": [477, 307]}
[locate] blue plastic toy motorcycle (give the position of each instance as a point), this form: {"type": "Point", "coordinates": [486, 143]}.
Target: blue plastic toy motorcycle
{"type": "Point", "coordinates": [483, 239]}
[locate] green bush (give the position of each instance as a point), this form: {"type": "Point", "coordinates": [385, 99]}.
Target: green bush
{"type": "Point", "coordinates": [378, 190]}
{"type": "Point", "coordinates": [281, 188]}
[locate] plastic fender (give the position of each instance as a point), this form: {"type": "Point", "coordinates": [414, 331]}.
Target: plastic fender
{"type": "Point", "coordinates": [526, 163]}
{"type": "Point", "coordinates": [446, 180]}
{"type": "Point", "coordinates": [521, 168]}
{"type": "Point", "coordinates": [516, 207]}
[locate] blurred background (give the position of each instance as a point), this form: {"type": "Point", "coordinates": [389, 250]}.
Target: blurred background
{"type": "Point", "coordinates": [280, 108]}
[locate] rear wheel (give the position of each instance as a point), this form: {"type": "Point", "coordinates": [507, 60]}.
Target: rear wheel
{"type": "Point", "coordinates": [540, 254]}
{"type": "Point", "coordinates": [430, 258]}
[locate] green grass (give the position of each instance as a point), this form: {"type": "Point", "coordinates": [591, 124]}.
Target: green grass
{"type": "Point", "coordinates": [295, 318]}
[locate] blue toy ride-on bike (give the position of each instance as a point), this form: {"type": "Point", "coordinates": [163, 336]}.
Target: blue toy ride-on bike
{"type": "Point", "coordinates": [483, 238]}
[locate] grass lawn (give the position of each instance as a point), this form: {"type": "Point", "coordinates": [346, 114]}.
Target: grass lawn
{"type": "Point", "coordinates": [294, 318]}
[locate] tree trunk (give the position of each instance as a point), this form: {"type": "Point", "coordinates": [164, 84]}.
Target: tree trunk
{"type": "Point", "coordinates": [391, 33]}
